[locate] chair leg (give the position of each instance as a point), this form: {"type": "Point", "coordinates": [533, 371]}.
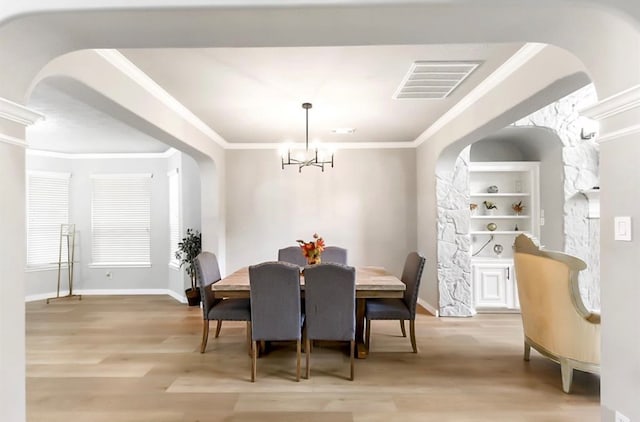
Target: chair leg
{"type": "Point", "coordinates": [298, 347]}
{"type": "Point", "coordinates": [352, 358]}
{"type": "Point", "coordinates": [567, 375]}
{"type": "Point", "coordinates": [412, 332]}
{"type": "Point", "coordinates": [404, 332]}
{"type": "Point", "coordinates": [367, 335]}
{"type": "Point", "coordinates": [218, 327]}
{"type": "Point", "coordinates": [205, 335]}
{"type": "Point", "coordinates": [527, 351]}
{"type": "Point", "coordinates": [254, 352]}
{"type": "Point", "coordinates": [249, 337]}
{"type": "Point", "coordinates": [307, 348]}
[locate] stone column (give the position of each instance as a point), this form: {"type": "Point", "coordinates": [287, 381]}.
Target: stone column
{"type": "Point", "coordinates": [13, 119]}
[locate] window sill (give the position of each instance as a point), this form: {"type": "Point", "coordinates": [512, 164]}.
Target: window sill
{"type": "Point", "coordinates": [120, 265]}
{"type": "Point", "coordinates": [45, 267]}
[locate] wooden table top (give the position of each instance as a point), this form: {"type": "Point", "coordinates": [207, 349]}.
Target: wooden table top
{"type": "Point", "coordinates": [370, 281]}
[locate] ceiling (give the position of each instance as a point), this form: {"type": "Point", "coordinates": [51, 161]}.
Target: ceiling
{"type": "Point", "coordinates": [255, 95]}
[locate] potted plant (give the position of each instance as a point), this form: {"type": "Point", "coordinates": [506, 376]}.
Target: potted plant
{"type": "Point", "coordinates": [187, 252]}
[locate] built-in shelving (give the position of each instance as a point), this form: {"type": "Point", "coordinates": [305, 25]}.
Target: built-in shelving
{"type": "Point", "coordinates": [493, 278]}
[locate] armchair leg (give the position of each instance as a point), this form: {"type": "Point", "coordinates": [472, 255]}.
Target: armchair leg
{"type": "Point", "coordinates": [218, 327]}
{"type": "Point", "coordinates": [567, 375]}
{"type": "Point", "coordinates": [412, 332]}
{"type": "Point", "coordinates": [352, 358]}
{"type": "Point", "coordinates": [367, 336]}
{"type": "Point", "coordinates": [205, 335]}
{"type": "Point", "coordinates": [298, 347]}
{"type": "Point", "coordinates": [307, 349]}
{"type": "Point", "coordinates": [254, 352]}
{"type": "Point", "coordinates": [527, 351]}
{"type": "Point", "coordinates": [404, 332]}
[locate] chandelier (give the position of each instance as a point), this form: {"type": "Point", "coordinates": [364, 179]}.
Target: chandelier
{"type": "Point", "coordinates": [306, 158]}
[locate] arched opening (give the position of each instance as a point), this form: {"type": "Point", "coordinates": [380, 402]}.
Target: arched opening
{"type": "Point", "coordinates": [610, 84]}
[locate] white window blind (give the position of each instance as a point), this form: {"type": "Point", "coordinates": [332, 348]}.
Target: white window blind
{"type": "Point", "coordinates": [121, 219]}
{"type": "Point", "coordinates": [174, 215]}
{"type": "Point", "coordinates": [47, 209]}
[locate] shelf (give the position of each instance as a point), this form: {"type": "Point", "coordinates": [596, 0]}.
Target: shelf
{"type": "Point", "coordinates": [500, 194]}
{"type": "Point", "coordinates": [499, 217]}
{"type": "Point", "coordinates": [499, 232]}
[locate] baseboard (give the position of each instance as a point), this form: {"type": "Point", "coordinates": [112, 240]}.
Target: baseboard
{"type": "Point", "coordinates": [109, 292]}
{"type": "Point", "coordinates": [431, 309]}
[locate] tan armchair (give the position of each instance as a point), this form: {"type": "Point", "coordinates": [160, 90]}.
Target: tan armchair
{"type": "Point", "coordinates": [556, 322]}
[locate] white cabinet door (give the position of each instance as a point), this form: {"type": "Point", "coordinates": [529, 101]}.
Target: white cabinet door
{"type": "Point", "coordinates": [494, 286]}
{"type": "Point", "coordinates": [490, 286]}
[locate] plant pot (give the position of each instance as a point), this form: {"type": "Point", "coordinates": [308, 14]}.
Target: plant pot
{"type": "Point", "coordinates": [193, 296]}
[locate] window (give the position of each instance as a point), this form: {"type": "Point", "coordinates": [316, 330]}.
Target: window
{"type": "Point", "coordinates": [47, 209]}
{"type": "Point", "coordinates": [121, 220]}
{"type": "Point", "coordinates": [174, 216]}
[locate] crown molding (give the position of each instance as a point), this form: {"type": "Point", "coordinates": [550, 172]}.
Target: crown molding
{"type": "Point", "coordinates": [336, 146]}
{"type": "Point", "coordinates": [101, 156]}
{"type": "Point", "coordinates": [521, 57]}
{"type": "Point", "coordinates": [621, 133]}
{"type": "Point", "coordinates": [120, 62]}
{"type": "Point", "coordinates": [13, 140]}
{"type": "Point", "coordinates": [17, 113]}
{"type": "Point", "coordinates": [613, 105]}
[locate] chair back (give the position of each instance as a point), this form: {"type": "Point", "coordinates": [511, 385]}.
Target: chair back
{"type": "Point", "coordinates": [207, 273]}
{"type": "Point", "coordinates": [553, 314]}
{"type": "Point", "coordinates": [275, 301]}
{"type": "Point", "coordinates": [330, 301]}
{"type": "Point", "coordinates": [411, 276]}
{"type": "Point", "coordinates": [334, 255]}
{"type": "Point", "coordinates": [292, 255]}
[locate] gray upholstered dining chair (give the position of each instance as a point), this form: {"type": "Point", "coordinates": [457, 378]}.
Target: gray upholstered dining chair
{"type": "Point", "coordinates": [208, 273]}
{"type": "Point", "coordinates": [400, 309]}
{"type": "Point", "coordinates": [330, 297]}
{"type": "Point", "coordinates": [292, 255]}
{"type": "Point", "coordinates": [275, 307]}
{"type": "Point", "coordinates": [334, 255]}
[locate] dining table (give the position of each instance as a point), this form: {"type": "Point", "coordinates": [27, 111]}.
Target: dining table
{"type": "Point", "coordinates": [371, 282]}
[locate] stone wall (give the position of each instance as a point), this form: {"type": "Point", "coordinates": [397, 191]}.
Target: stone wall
{"type": "Point", "coordinates": [580, 159]}
{"type": "Point", "coordinates": [454, 265]}
{"type": "Point", "coordinates": [581, 234]}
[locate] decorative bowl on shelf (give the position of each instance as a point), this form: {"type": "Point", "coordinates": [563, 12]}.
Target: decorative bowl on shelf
{"type": "Point", "coordinates": [492, 189]}
{"type": "Point", "coordinates": [492, 227]}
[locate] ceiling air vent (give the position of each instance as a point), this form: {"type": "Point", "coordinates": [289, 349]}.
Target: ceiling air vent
{"type": "Point", "coordinates": [433, 80]}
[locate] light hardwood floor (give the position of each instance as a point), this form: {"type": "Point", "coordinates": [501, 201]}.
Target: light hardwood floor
{"type": "Point", "coordinates": [136, 359]}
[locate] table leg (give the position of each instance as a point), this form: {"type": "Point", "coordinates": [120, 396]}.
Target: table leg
{"type": "Point", "coordinates": [361, 349]}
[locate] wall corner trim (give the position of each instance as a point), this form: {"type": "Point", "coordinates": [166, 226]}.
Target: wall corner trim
{"type": "Point", "coordinates": [613, 105]}
{"type": "Point", "coordinates": [13, 140]}
{"type": "Point", "coordinates": [430, 308]}
{"type": "Point", "coordinates": [17, 113]}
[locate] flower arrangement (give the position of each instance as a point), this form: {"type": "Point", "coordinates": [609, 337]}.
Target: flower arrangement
{"type": "Point", "coordinates": [490, 205]}
{"type": "Point", "coordinates": [312, 250]}
{"type": "Point", "coordinates": [517, 207]}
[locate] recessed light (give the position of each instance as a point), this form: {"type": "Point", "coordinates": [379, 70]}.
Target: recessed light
{"type": "Point", "coordinates": [343, 130]}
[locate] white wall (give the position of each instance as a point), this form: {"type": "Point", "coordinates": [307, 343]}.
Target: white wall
{"type": "Point", "coordinates": [366, 204]}
{"type": "Point", "coordinates": [189, 211]}
{"type": "Point", "coordinates": [156, 277]}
